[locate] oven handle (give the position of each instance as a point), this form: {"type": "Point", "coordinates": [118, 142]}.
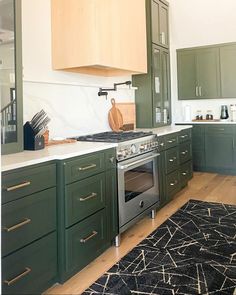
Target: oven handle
{"type": "Point", "coordinates": [122, 167]}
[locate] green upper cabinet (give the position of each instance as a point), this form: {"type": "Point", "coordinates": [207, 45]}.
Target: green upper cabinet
{"type": "Point", "coordinates": [207, 72]}
{"type": "Point", "coordinates": [159, 23]}
{"type": "Point", "coordinates": [198, 73]}
{"type": "Point", "coordinates": [228, 70]}
{"type": "Point", "coordinates": [153, 98]}
{"type": "Point", "coordinates": [11, 77]}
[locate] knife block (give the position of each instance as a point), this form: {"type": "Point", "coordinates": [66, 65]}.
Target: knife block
{"type": "Point", "coordinates": [31, 141]}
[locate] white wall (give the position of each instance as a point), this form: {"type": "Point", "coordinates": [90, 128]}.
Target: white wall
{"type": "Point", "coordinates": [73, 109]}
{"type": "Point", "coordinates": [197, 23]}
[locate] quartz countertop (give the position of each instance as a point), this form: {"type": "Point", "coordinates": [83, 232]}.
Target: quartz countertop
{"type": "Point", "coordinates": [208, 122]}
{"type": "Point", "coordinates": [56, 152]}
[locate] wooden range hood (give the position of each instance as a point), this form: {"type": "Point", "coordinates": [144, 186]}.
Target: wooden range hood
{"type": "Point", "coordinates": [99, 37]}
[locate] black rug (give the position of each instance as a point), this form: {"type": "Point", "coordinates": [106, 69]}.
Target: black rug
{"type": "Point", "coordinates": [192, 252]}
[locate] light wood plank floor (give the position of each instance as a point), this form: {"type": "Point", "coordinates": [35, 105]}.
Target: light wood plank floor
{"type": "Point", "coordinates": [204, 186]}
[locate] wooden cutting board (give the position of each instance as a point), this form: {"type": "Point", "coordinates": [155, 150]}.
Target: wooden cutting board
{"type": "Point", "coordinates": [115, 117]}
{"type": "Point", "coordinates": [128, 112]}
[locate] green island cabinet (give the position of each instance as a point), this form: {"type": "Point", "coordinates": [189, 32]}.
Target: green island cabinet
{"type": "Point", "coordinates": [214, 148]}
{"type": "Point", "coordinates": [175, 163]}
{"type": "Point", "coordinates": [152, 97]}
{"type": "Point", "coordinates": [29, 229]}
{"type": "Point", "coordinates": [207, 72]}
{"type": "Point", "coordinates": [11, 63]}
{"type": "Point", "coordinates": [87, 209]}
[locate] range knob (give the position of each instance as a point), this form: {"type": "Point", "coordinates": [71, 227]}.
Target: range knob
{"type": "Point", "coordinates": [141, 147]}
{"type": "Point", "coordinates": [133, 149]}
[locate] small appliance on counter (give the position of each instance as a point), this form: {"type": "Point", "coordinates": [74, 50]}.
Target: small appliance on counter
{"type": "Point", "coordinates": [34, 130]}
{"type": "Point", "coordinates": [233, 112]}
{"type": "Point", "coordinates": [224, 115]}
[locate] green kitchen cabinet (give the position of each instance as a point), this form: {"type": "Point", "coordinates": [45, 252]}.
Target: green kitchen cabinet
{"type": "Point", "coordinates": [87, 209]}
{"type": "Point", "coordinates": [11, 77]}
{"type": "Point", "coordinates": [29, 229]}
{"type": "Point", "coordinates": [228, 70]}
{"type": "Point", "coordinates": [198, 142]}
{"type": "Point", "coordinates": [198, 73]}
{"type": "Point", "coordinates": [220, 149]}
{"type": "Point", "coordinates": [152, 97]}
{"type": "Point", "coordinates": [160, 22]}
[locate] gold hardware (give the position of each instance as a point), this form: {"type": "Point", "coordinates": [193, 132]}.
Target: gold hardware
{"type": "Point", "coordinates": [9, 283]}
{"type": "Point", "coordinates": [26, 221]}
{"type": "Point", "coordinates": [172, 160]}
{"type": "Point", "coordinates": [87, 167]}
{"type": "Point", "coordinates": [12, 188]}
{"type": "Point", "coordinates": [173, 183]}
{"type": "Point", "coordinates": [112, 159]}
{"type": "Point", "coordinates": [84, 240]}
{"type": "Point", "coordinates": [93, 195]}
{"type": "Point", "coordinates": [184, 152]}
{"type": "Point", "coordinates": [184, 173]}
{"type": "Point", "coordinates": [172, 140]}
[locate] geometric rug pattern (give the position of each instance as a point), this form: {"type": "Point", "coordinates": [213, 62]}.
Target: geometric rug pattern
{"type": "Point", "coordinates": [192, 252]}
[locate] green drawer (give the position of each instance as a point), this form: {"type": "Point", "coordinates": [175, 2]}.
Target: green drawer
{"type": "Point", "coordinates": [84, 197]}
{"type": "Point", "coordinates": [84, 167]}
{"type": "Point", "coordinates": [184, 135]}
{"type": "Point", "coordinates": [172, 183]}
{"type": "Point", "coordinates": [26, 181]}
{"type": "Point", "coordinates": [185, 152]}
{"type": "Point", "coordinates": [171, 159]}
{"type": "Point", "coordinates": [32, 269]}
{"type": "Point", "coordinates": [23, 222]}
{"type": "Point", "coordinates": [171, 140]}
{"type": "Point", "coordinates": [220, 129]}
{"type": "Point", "coordinates": [110, 158]}
{"type": "Point", "coordinates": [186, 173]}
{"type": "Point", "coordinates": [161, 143]}
{"type": "Point", "coordinates": [84, 241]}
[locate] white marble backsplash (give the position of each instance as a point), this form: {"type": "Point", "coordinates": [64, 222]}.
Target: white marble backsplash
{"type": "Point", "coordinates": [73, 109]}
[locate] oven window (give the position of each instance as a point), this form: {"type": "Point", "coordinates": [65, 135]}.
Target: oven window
{"type": "Point", "coordinates": [138, 180]}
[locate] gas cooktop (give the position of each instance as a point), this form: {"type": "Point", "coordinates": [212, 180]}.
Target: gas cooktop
{"type": "Point", "coordinates": [115, 137]}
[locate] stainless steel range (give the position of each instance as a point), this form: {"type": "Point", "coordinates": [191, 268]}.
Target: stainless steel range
{"type": "Point", "coordinates": [138, 192]}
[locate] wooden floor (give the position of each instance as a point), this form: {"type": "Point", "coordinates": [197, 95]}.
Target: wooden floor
{"type": "Point", "coordinates": [203, 186]}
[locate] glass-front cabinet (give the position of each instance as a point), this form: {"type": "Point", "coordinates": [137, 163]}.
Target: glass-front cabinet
{"type": "Point", "coordinates": [11, 76]}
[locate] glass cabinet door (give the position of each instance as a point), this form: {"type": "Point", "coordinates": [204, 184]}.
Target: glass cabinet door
{"type": "Point", "coordinates": [10, 76]}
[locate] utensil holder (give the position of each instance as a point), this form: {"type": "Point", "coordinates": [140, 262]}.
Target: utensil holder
{"type": "Point", "coordinates": [31, 141]}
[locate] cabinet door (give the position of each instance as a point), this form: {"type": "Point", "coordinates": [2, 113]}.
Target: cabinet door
{"type": "Point", "coordinates": [187, 79]}
{"type": "Point", "coordinates": [228, 70]}
{"type": "Point", "coordinates": [11, 77]}
{"type": "Point", "coordinates": [208, 73]}
{"type": "Point", "coordinates": [220, 148]}
{"type": "Point", "coordinates": [155, 8]}
{"type": "Point", "coordinates": [165, 59]}
{"type": "Point", "coordinates": [164, 29]}
{"type": "Point", "coordinates": [157, 86]}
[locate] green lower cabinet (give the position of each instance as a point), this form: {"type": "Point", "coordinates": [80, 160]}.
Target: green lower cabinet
{"type": "Point", "coordinates": [185, 173]}
{"type": "Point", "coordinates": [172, 184]}
{"type": "Point", "coordinates": [198, 146]}
{"type": "Point", "coordinates": [32, 269]}
{"type": "Point", "coordinates": [85, 241]}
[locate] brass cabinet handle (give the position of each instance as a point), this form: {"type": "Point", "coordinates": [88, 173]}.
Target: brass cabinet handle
{"type": "Point", "coordinates": [84, 240]}
{"type": "Point", "coordinates": [184, 152]}
{"type": "Point", "coordinates": [162, 144]}
{"type": "Point", "coordinates": [184, 173]}
{"type": "Point", "coordinates": [171, 140]}
{"type": "Point", "coordinates": [12, 281]}
{"type": "Point", "coordinates": [173, 159]}
{"type": "Point", "coordinates": [93, 195]}
{"type": "Point", "coordinates": [87, 167]}
{"type": "Point", "coordinates": [9, 229]}
{"type": "Point", "coordinates": [173, 183]}
{"type": "Point", "coordinates": [15, 187]}
{"type": "Point", "coordinates": [183, 136]}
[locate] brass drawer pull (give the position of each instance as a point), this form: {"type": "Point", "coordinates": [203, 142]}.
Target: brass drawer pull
{"type": "Point", "coordinates": [173, 159]}
{"type": "Point", "coordinates": [173, 183]}
{"type": "Point", "coordinates": [183, 136]}
{"type": "Point", "coordinates": [162, 144]}
{"type": "Point", "coordinates": [171, 141]}
{"type": "Point", "coordinates": [184, 173]}
{"type": "Point", "coordinates": [15, 187]}
{"type": "Point", "coordinates": [93, 195]}
{"type": "Point", "coordinates": [9, 283]}
{"type": "Point", "coordinates": [184, 152]}
{"type": "Point", "coordinates": [26, 221]}
{"type": "Point", "coordinates": [84, 240]}
{"type": "Point", "coordinates": [87, 167]}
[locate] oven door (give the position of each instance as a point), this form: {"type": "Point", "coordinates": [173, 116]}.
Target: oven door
{"type": "Point", "coordinates": [137, 186]}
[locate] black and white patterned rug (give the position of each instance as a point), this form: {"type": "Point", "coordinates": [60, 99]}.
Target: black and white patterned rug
{"type": "Point", "coordinates": [192, 252]}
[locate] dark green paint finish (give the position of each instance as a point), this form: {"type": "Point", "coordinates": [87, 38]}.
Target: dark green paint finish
{"type": "Point", "coordinates": [28, 208]}
{"type": "Point", "coordinates": [172, 183]}
{"type": "Point", "coordinates": [18, 145]}
{"type": "Point", "coordinates": [171, 140]}
{"type": "Point", "coordinates": [84, 197]}
{"type": "Point", "coordinates": [171, 159]}
{"type": "Point", "coordinates": [84, 166]}
{"type": "Point", "coordinates": [186, 173]}
{"type": "Point", "coordinates": [40, 178]}
{"type": "Point", "coordinates": [185, 135]}
{"type": "Point", "coordinates": [110, 158]}
{"type": "Point", "coordinates": [41, 258]}
{"type": "Point", "coordinates": [79, 253]}
{"type": "Point", "coordinates": [185, 152]}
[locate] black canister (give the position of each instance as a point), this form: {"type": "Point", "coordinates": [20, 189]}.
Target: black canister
{"type": "Point", "coordinates": [224, 112]}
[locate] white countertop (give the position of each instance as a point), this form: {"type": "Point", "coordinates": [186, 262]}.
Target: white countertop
{"type": "Point", "coordinates": [166, 129]}
{"type": "Point", "coordinates": [56, 152]}
{"type": "Point", "coordinates": [208, 122]}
